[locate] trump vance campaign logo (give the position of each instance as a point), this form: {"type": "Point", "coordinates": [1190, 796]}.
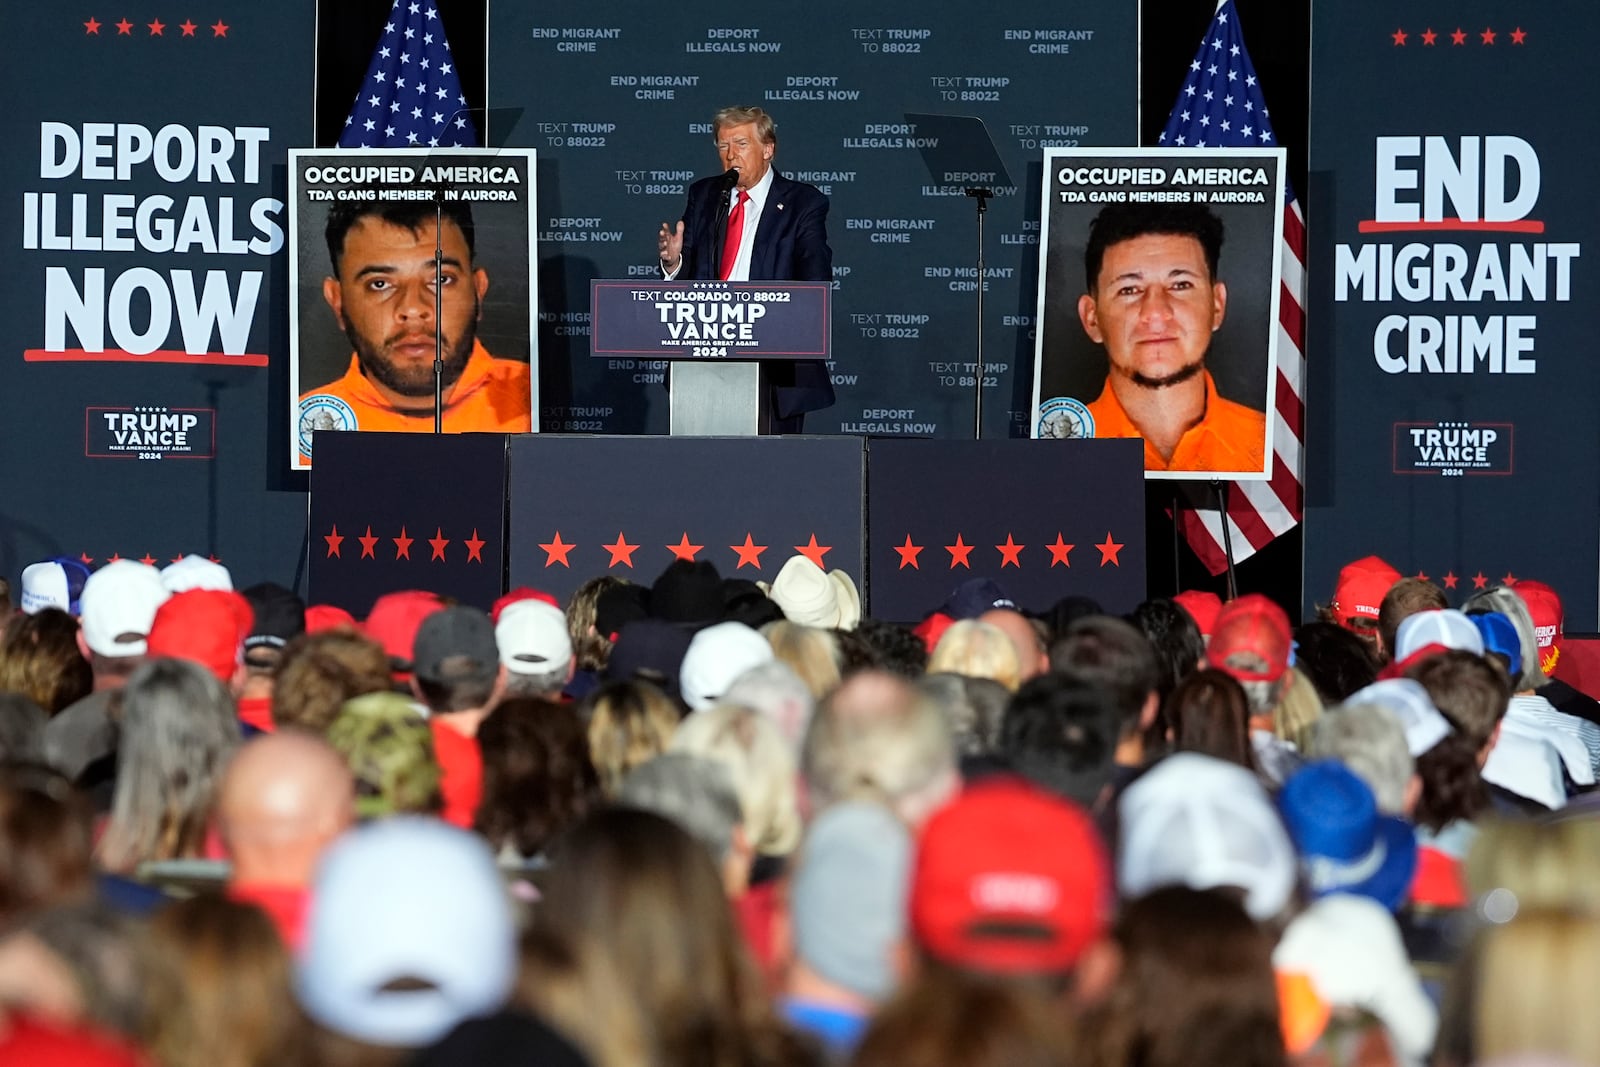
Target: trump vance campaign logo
{"type": "Point", "coordinates": [150, 432]}
{"type": "Point", "coordinates": [1452, 448]}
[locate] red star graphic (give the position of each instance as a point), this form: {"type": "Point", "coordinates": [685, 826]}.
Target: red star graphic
{"type": "Point", "coordinates": [402, 545]}
{"type": "Point", "coordinates": [369, 544]}
{"type": "Point", "coordinates": [219, 29]}
{"type": "Point", "coordinates": [188, 27]}
{"type": "Point", "coordinates": [117, 555]}
{"type": "Point", "coordinates": [1108, 551]}
{"type": "Point", "coordinates": [1399, 38]}
{"type": "Point", "coordinates": [908, 554]}
{"type": "Point", "coordinates": [749, 552]}
{"type": "Point", "coordinates": [683, 549]}
{"type": "Point", "coordinates": [178, 557]}
{"type": "Point", "coordinates": [87, 559]}
{"type": "Point", "coordinates": [334, 539]}
{"type": "Point", "coordinates": [1519, 35]}
{"type": "Point", "coordinates": [92, 26]}
{"type": "Point", "coordinates": [1421, 577]}
{"type": "Point", "coordinates": [124, 28]}
{"type": "Point", "coordinates": [215, 559]}
{"type": "Point", "coordinates": [1059, 551]}
{"type": "Point", "coordinates": [1459, 36]}
{"type": "Point", "coordinates": [1450, 579]}
{"type": "Point", "coordinates": [1428, 36]}
{"type": "Point", "coordinates": [1010, 553]}
{"type": "Point", "coordinates": [474, 546]}
{"type": "Point", "coordinates": [148, 560]}
{"type": "Point", "coordinates": [959, 553]}
{"type": "Point", "coordinates": [1509, 580]}
{"type": "Point", "coordinates": [1479, 581]}
{"type": "Point", "coordinates": [437, 542]}
{"type": "Point", "coordinates": [813, 551]}
{"type": "Point", "coordinates": [1487, 35]}
{"type": "Point", "coordinates": [156, 27]}
{"type": "Point", "coordinates": [556, 552]}
{"type": "Point", "coordinates": [621, 551]}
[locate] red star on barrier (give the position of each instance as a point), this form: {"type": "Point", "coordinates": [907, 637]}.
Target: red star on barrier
{"type": "Point", "coordinates": [1450, 579]}
{"type": "Point", "coordinates": [474, 546]}
{"type": "Point", "coordinates": [87, 559]}
{"type": "Point", "coordinates": [117, 555]}
{"type": "Point", "coordinates": [683, 549]}
{"type": "Point", "coordinates": [402, 545]}
{"type": "Point", "coordinates": [1010, 553]}
{"type": "Point", "coordinates": [1459, 36]}
{"type": "Point", "coordinates": [156, 27]}
{"type": "Point", "coordinates": [1109, 550]}
{"type": "Point", "coordinates": [214, 558]}
{"type": "Point", "coordinates": [1421, 577]}
{"type": "Point", "coordinates": [621, 551]}
{"type": "Point", "coordinates": [813, 551]}
{"type": "Point", "coordinates": [1429, 37]}
{"type": "Point", "coordinates": [959, 553]}
{"type": "Point", "coordinates": [1487, 35]}
{"type": "Point", "coordinates": [148, 560]}
{"type": "Point", "coordinates": [179, 556]}
{"type": "Point", "coordinates": [188, 27]}
{"type": "Point", "coordinates": [1399, 36]}
{"type": "Point", "coordinates": [908, 554]}
{"type": "Point", "coordinates": [369, 544]}
{"type": "Point", "coordinates": [1059, 551]}
{"type": "Point", "coordinates": [1509, 580]}
{"type": "Point", "coordinates": [334, 539]}
{"type": "Point", "coordinates": [556, 552]}
{"type": "Point", "coordinates": [749, 552]}
{"type": "Point", "coordinates": [1519, 35]}
{"type": "Point", "coordinates": [219, 29]}
{"type": "Point", "coordinates": [1479, 581]}
{"type": "Point", "coordinates": [92, 26]}
{"type": "Point", "coordinates": [124, 28]}
{"type": "Point", "coordinates": [438, 542]}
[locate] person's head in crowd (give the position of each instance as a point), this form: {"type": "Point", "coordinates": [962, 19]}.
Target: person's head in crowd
{"type": "Point", "coordinates": [399, 968]}
{"type": "Point", "coordinates": [812, 653]}
{"type": "Point", "coordinates": [1066, 611]}
{"type": "Point", "coordinates": [899, 650]}
{"type": "Point", "coordinates": [877, 738]}
{"type": "Point", "coordinates": [1549, 863]}
{"type": "Point", "coordinates": [1345, 844]}
{"type": "Point", "coordinates": [1208, 714]}
{"type": "Point", "coordinates": [856, 653]}
{"type": "Point", "coordinates": [591, 645]}
{"type": "Point", "coordinates": [219, 991]}
{"type": "Point", "coordinates": [39, 658]}
{"type": "Point", "coordinates": [1500, 641]}
{"type": "Point", "coordinates": [1176, 637]}
{"type": "Point", "coordinates": [179, 729]}
{"type": "Point", "coordinates": [320, 617]}
{"type": "Point", "coordinates": [1406, 597]}
{"type": "Point", "coordinates": [1506, 602]}
{"type": "Point", "coordinates": [1202, 607]}
{"type": "Point", "coordinates": [389, 749]}
{"type": "Point", "coordinates": [977, 650]}
{"type": "Point", "coordinates": [119, 604]}
{"type": "Point", "coordinates": [780, 695]}
{"type": "Point", "coordinates": [975, 596]}
{"type": "Point", "coordinates": [1369, 740]}
{"type": "Point", "coordinates": [698, 794]}
{"type": "Point", "coordinates": [535, 649]}
{"type": "Point", "coordinates": [320, 672]}
{"type": "Point", "coordinates": [537, 778]}
{"type": "Point", "coordinates": [456, 669]}
{"type": "Point", "coordinates": [45, 842]}
{"type": "Point", "coordinates": [196, 572]}
{"type": "Point", "coordinates": [1358, 598]}
{"type": "Point", "coordinates": [1252, 642]}
{"type": "Point", "coordinates": [687, 593]}
{"type": "Point", "coordinates": [1298, 710]}
{"type": "Point", "coordinates": [284, 798]}
{"type": "Point", "coordinates": [1009, 881]}
{"type": "Point", "coordinates": [1544, 608]}
{"type": "Point", "coordinates": [746, 601]}
{"type": "Point", "coordinates": [943, 1017]}
{"type": "Point", "coordinates": [1196, 986]}
{"type": "Point", "coordinates": [1118, 658]}
{"type": "Point", "coordinates": [974, 708]}
{"type": "Point", "coordinates": [762, 767]}
{"type": "Point", "coordinates": [83, 963]}
{"type": "Point", "coordinates": [650, 651]}
{"type": "Point", "coordinates": [630, 723]}
{"type": "Point", "coordinates": [279, 616]}
{"type": "Point", "coordinates": [22, 729]}
{"type": "Point", "coordinates": [393, 623]}
{"type": "Point", "coordinates": [1060, 733]}
{"type": "Point", "coordinates": [716, 657]}
{"type": "Point", "coordinates": [54, 583]}
{"type": "Point", "coordinates": [207, 627]}
{"type": "Point", "coordinates": [567, 981]}
{"type": "Point", "coordinates": [507, 1036]}
{"type": "Point", "coordinates": [1429, 632]}
{"type": "Point", "coordinates": [650, 897]}
{"type": "Point", "coordinates": [1032, 657]}
{"type": "Point", "coordinates": [1201, 822]}
{"type": "Point", "coordinates": [7, 605]}
{"type": "Point", "coordinates": [1471, 694]}
{"type": "Point", "coordinates": [1337, 661]}
{"type": "Point", "coordinates": [810, 596]}
{"type": "Point", "coordinates": [614, 607]}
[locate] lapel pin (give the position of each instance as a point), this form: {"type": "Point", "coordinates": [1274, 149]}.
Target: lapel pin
{"type": "Point", "coordinates": [780, 207]}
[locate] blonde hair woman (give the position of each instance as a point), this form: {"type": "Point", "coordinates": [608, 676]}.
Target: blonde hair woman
{"type": "Point", "coordinates": [761, 766]}
{"type": "Point", "coordinates": [629, 723]}
{"type": "Point", "coordinates": [812, 653]}
{"type": "Point", "coordinates": [977, 650]}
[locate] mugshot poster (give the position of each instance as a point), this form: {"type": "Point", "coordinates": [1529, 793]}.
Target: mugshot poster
{"type": "Point", "coordinates": [1156, 344]}
{"type": "Point", "coordinates": [362, 334]}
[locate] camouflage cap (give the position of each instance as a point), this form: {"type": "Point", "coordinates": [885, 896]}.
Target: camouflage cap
{"type": "Point", "coordinates": [389, 747]}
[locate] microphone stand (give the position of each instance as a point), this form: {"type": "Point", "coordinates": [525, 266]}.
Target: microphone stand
{"type": "Point", "coordinates": [982, 197]}
{"type": "Point", "coordinates": [438, 311]}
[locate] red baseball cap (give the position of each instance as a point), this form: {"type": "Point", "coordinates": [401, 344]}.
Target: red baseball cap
{"type": "Point", "coordinates": [204, 626]}
{"type": "Point", "coordinates": [1202, 608]}
{"type": "Point", "coordinates": [522, 592]}
{"type": "Point", "coordinates": [30, 1040]}
{"type": "Point", "coordinates": [1545, 607]}
{"type": "Point", "coordinates": [1010, 880]}
{"type": "Point", "coordinates": [1255, 625]}
{"type": "Point", "coordinates": [932, 628]}
{"type": "Point", "coordinates": [320, 617]}
{"type": "Point", "coordinates": [395, 619]}
{"type": "Point", "coordinates": [1361, 589]}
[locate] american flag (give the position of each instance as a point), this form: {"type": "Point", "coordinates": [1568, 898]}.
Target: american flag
{"type": "Point", "coordinates": [412, 96]}
{"type": "Point", "coordinates": [1221, 106]}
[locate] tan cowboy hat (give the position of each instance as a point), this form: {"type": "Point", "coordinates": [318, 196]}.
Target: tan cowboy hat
{"type": "Point", "coordinates": [811, 597]}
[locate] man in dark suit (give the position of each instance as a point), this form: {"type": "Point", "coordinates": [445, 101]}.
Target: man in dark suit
{"type": "Point", "coordinates": [763, 227]}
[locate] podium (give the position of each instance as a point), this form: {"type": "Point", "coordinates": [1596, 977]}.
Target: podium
{"type": "Point", "coordinates": [717, 334]}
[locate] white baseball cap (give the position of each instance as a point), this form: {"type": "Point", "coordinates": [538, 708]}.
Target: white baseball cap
{"type": "Point", "coordinates": [119, 604]}
{"type": "Point", "coordinates": [532, 638]}
{"type": "Point", "coordinates": [716, 656]}
{"type": "Point", "coordinates": [195, 572]}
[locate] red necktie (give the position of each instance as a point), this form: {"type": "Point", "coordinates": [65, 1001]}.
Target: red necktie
{"type": "Point", "coordinates": [730, 246]}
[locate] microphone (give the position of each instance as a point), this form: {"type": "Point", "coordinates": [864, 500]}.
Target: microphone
{"type": "Point", "coordinates": [730, 178]}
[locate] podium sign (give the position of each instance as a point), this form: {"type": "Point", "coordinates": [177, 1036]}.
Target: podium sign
{"type": "Point", "coordinates": [709, 320]}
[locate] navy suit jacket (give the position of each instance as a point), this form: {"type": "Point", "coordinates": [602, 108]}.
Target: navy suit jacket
{"type": "Point", "coordinates": [791, 244]}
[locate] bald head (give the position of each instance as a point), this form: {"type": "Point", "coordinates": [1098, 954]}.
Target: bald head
{"type": "Point", "coordinates": [1031, 653]}
{"type": "Point", "coordinates": [284, 797]}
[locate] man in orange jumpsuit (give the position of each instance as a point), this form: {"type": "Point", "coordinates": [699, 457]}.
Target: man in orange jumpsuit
{"type": "Point", "coordinates": [1153, 300]}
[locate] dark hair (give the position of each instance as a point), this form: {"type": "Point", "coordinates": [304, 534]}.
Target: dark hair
{"type": "Point", "coordinates": [1338, 662]}
{"type": "Point", "coordinates": [1404, 599]}
{"type": "Point", "coordinates": [1175, 636]}
{"type": "Point", "coordinates": [45, 841]}
{"type": "Point", "coordinates": [320, 671]}
{"type": "Point", "coordinates": [411, 215]}
{"type": "Point", "coordinates": [899, 650]}
{"type": "Point", "coordinates": [1116, 657]}
{"type": "Point", "coordinates": [1472, 694]}
{"type": "Point", "coordinates": [1060, 733]}
{"type": "Point", "coordinates": [537, 778]}
{"type": "Point", "coordinates": [856, 653]}
{"type": "Point", "coordinates": [465, 689]}
{"type": "Point", "coordinates": [1123, 222]}
{"type": "Point", "coordinates": [1209, 714]}
{"type": "Point", "coordinates": [39, 658]}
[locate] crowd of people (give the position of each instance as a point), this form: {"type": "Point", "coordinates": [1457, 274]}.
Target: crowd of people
{"type": "Point", "coordinates": [709, 822]}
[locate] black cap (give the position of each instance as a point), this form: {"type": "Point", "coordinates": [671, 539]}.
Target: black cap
{"type": "Point", "coordinates": [456, 644]}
